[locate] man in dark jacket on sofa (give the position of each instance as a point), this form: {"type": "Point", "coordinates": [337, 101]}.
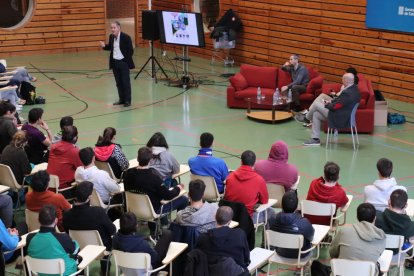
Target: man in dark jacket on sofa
{"type": "Point", "coordinates": [291, 222]}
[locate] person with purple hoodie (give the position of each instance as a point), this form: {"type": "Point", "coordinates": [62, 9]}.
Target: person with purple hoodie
{"type": "Point", "coordinates": [276, 168]}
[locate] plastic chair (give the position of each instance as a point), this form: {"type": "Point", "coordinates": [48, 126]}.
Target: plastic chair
{"type": "Point", "coordinates": [345, 267]}
{"type": "Point", "coordinates": [46, 266]}
{"type": "Point", "coordinates": [105, 166]}
{"type": "Point", "coordinates": [276, 191]}
{"type": "Point", "coordinates": [397, 242]}
{"type": "Point", "coordinates": [352, 124]}
{"type": "Point", "coordinates": [54, 184]}
{"type": "Point", "coordinates": [290, 241]}
{"type": "Point", "coordinates": [134, 261]}
{"type": "Point", "coordinates": [7, 179]}
{"type": "Point", "coordinates": [211, 192]}
{"type": "Point", "coordinates": [97, 201]}
{"type": "Point", "coordinates": [32, 220]}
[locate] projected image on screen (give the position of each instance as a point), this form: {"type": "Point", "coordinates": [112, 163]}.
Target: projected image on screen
{"type": "Point", "coordinates": [180, 28]}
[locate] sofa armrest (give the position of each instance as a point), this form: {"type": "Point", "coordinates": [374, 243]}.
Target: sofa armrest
{"type": "Point", "coordinates": [231, 95]}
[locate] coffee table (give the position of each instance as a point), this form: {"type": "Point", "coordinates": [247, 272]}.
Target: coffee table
{"type": "Point", "coordinates": [268, 115]}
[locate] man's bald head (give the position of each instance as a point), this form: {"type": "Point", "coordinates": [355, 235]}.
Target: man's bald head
{"type": "Point", "coordinates": [348, 79]}
{"type": "Point", "coordinates": [224, 215]}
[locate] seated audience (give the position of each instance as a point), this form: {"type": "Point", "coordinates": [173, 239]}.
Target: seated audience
{"type": "Point", "coordinates": [205, 164]}
{"type": "Point", "coordinates": [83, 216]}
{"type": "Point", "coordinates": [327, 190]}
{"type": "Point", "coordinates": [38, 143]}
{"type": "Point", "coordinates": [40, 196]}
{"type": "Point", "coordinates": [65, 121]}
{"type": "Point", "coordinates": [291, 222]}
{"type": "Point", "coordinates": [7, 124]}
{"type": "Point", "coordinates": [276, 168]}
{"type": "Point", "coordinates": [246, 186]}
{"type": "Point", "coordinates": [163, 161]}
{"type": "Point", "coordinates": [9, 238]}
{"type": "Point", "coordinates": [198, 213]}
{"type": "Point", "coordinates": [379, 193]}
{"type": "Point", "coordinates": [107, 151]}
{"type": "Point", "coordinates": [9, 93]}
{"type": "Point", "coordinates": [146, 180]}
{"type": "Point", "coordinates": [226, 248]}
{"type": "Point", "coordinates": [6, 210]}
{"type": "Point", "coordinates": [101, 180]}
{"type": "Point", "coordinates": [64, 157]}
{"type": "Point", "coordinates": [48, 244]}
{"type": "Point", "coordinates": [127, 239]}
{"type": "Point", "coordinates": [361, 241]}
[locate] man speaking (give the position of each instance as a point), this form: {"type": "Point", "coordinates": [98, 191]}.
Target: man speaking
{"type": "Point", "coordinates": [120, 61]}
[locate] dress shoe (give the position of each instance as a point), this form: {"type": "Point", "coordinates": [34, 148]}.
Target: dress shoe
{"type": "Point", "coordinates": [126, 104]}
{"type": "Point", "coordinates": [118, 103]}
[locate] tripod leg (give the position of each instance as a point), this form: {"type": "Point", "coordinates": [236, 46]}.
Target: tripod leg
{"type": "Point", "coordinates": [142, 68]}
{"type": "Point", "coordinates": [153, 71]}
{"type": "Point", "coordinates": [162, 69]}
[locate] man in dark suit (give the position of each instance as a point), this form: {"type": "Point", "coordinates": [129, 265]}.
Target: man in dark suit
{"type": "Point", "coordinates": [120, 61]}
{"type": "Point", "coordinates": [337, 111]}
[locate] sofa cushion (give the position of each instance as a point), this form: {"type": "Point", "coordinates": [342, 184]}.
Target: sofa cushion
{"type": "Point", "coordinates": [256, 76]}
{"type": "Point", "coordinates": [283, 78]}
{"type": "Point", "coordinates": [312, 73]}
{"type": "Point", "coordinates": [252, 92]}
{"type": "Point", "coordinates": [239, 82]}
{"type": "Point", "coordinates": [314, 84]}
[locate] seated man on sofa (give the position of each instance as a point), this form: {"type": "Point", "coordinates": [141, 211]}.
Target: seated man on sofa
{"type": "Point", "coordinates": [337, 111]}
{"type": "Point", "coordinates": [300, 79]}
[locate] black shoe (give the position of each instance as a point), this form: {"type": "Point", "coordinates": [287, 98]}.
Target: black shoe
{"type": "Point", "coordinates": [312, 142]}
{"type": "Point", "coordinates": [300, 118]}
{"type": "Point", "coordinates": [126, 104]}
{"type": "Point", "coordinates": [118, 103]}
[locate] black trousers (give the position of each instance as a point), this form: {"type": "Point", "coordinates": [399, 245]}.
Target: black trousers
{"type": "Point", "coordinates": [123, 82]}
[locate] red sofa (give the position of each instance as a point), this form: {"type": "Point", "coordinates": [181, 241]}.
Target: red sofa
{"type": "Point", "coordinates": [365, 112]}
{"type": "Point", "coordinates": [245, 83]}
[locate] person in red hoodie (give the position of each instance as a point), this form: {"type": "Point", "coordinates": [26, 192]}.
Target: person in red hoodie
{"type": "Point", "coordinates": [246, 186]}
{"type": "Point", "coordinates": [64, 158]}
{"type": "Point", "coordinates": [327, 190]}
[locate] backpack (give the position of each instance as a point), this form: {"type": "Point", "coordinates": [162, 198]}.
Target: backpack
{"type": "Point", "coordinates": [395, 118]}
{"type": "Point", "coordinates": [28, 93]}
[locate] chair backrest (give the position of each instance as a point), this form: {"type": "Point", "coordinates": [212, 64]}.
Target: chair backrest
{"type": "Point", "coordinates": [344, 267]}
{"type": "Point", "coordinates": [3, 61]}
{"type": "Point", "coordinates": [141, 206]}
{"type": "Point", "coordinates": [395, 242]}
{"type": "Point", "coordinates": [7, 178]}
{"type": "Point", "coordinates": [211, 192]}
{"type": "Point", "coordinates": [313, 208]}
{"type": "Point", "coordinates": [276, 191]}
{"type": "Point", "coordinates": [352, 119]}
{"type": "Point", "coordinates": [131, 260]}
{"type": "Point", "coordinates": [96, 200]}
{"type": "Point", "coordinates": [45, 266]}
{"type": "Point", "coordinates": [54, 182]}
{"type": "Point", "coordinates": [32, 220]}
{"type": "Point", "coordinates": [284, 240]}
{"type": "Point", "coordinates": [105, 166]}
{"type": "Point", "coordinates": [296, 184]}
{"type": "Point", "coordinates": [86, 237]}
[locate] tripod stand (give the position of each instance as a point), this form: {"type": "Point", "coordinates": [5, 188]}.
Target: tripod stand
{"type": "Point", "coordinates": [153, 61]}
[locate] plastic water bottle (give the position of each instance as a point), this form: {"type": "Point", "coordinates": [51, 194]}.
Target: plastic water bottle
{"type": "Point", "coordinates": [259, 93]}
{"type": "Point", "coordinates": [289, 96]}
{"type": "Point", "coordinates": [276, 96]}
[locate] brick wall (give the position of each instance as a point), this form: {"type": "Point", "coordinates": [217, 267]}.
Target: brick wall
{"type": "Point", "coordinates": [119, 8]}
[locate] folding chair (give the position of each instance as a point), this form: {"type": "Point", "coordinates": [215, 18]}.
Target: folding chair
{"type": "Point", "coordinates": [105, 166]}
{"type": "Point", "coordinates": [7, 179]}
{"type": "Point", "coordinates": [397, 242]}
{"type": "Point", "coordinates": [54, 184]}
{"type": "Point", "coordinates": [211, 192]}
{"type": "Point", "coordinates": [134, 261]}
{"type": "Point", "coordinates": [32, 220]}
{"type": "Point", "coordinates": [47, 266]}
{"type": "Point", "coordinates": [345, 267]}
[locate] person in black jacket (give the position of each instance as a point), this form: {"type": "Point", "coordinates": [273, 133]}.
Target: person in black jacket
{"type": "Point", "coordinates": [82, 216]}
{"type": "Point", "coordinates": [120, 61]}
{"type": "Point", "coordinates": [290, 222]}
{"type": "Point", "coordinates": [146, 180]}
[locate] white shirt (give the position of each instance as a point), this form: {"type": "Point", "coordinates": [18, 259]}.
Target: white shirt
{"type": "Point", "coordinates": [117, 51]}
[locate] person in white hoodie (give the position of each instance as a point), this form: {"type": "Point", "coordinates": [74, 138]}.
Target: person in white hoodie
{"type": "Point", "coordinates": [101, 180]}
{"type": "Point", "coordinates": [379, 193]}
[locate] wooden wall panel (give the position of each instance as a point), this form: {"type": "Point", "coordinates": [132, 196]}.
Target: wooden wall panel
{"type": "Point", "coordinates": [57, 26]}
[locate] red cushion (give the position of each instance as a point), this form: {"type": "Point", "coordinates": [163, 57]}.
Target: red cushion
{"type": "Point", "coordinates": [239, 82]}
{"type": "Point", "coordinates": [362, 104]}
{"type": "Point", "coordinates": [283, 78]}
{"type": "Point", "coordinates": [312, 73]}
{"type": "Point", "coordinates": [363, 86]}
{"type": "Point", "coordinates": [314, 84]}
{"type": "Point", "coordinates": [259, 76]}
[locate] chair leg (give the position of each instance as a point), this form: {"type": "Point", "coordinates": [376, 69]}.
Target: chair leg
{"type": "Point", "coordinates": [353, 141]}
{"type": "Point", "coordinates": [327, 137]}
{"type": "Point", "coordinates": [356, 134]}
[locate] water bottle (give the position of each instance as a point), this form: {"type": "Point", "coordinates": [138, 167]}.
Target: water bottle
{"type": "Point", "coordinates": [276, 96]}
{"type": "Point", "coordinates": [289, 97]}
{"type": "Point", "coordinates": [259, 93]}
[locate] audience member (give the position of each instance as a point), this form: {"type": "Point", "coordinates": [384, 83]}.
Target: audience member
{"type": "Point", "coordinates": [246, 186]}
{"type": "Point", "coordinates": [9, 238]}
{"type": "Point", "coordinates": [163, 161]}
{"type": "Point", "coordinates": [146, 180]}
{"type": "Point", "coordinates": [300, 79]}
{"type": "Point", "coordinates": [38, 143]}
{"type": "Point", "coordinates": [226, 248]}
{"type": "Point", "coordinates": [65, 121]}
{"type": "Point", "coordinates": [362, 241]}
{"type": "Point", "coordinates": [291, 222]}
{"type": "Point", "coordinates": [102, 182]}
{"type": "Point", "coordinates": [10, 93]}
{"type": "Point", "coordinates": [85, 217]}
{"type": "Point", "coordinates": [326, 189]}
{"type": "Point", "coordinates": [205, 164]}
{"type": "Point", "coordinates": [198, 213]}
{"type": "Point", "coordinates": [128, 240]}
{"type": "Point", "coordinates": [276, 168]}
{"type": "Point", "coordinates": [336, 111]}
{"type": "Point", "coordinates": [48, 244]}
{"type": "Point", "coordinates": [64, 157]}
{"type": "Point", "coordinates": [106, 150]}
{"type": "Point", "coordinates": [40, 196]}
{"type": "Point", "coordinates": [6, 210]}
{"type": "Point", "coordinates": [379, 193]}
{"type": "Point", "coordinates": [7, 124]}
